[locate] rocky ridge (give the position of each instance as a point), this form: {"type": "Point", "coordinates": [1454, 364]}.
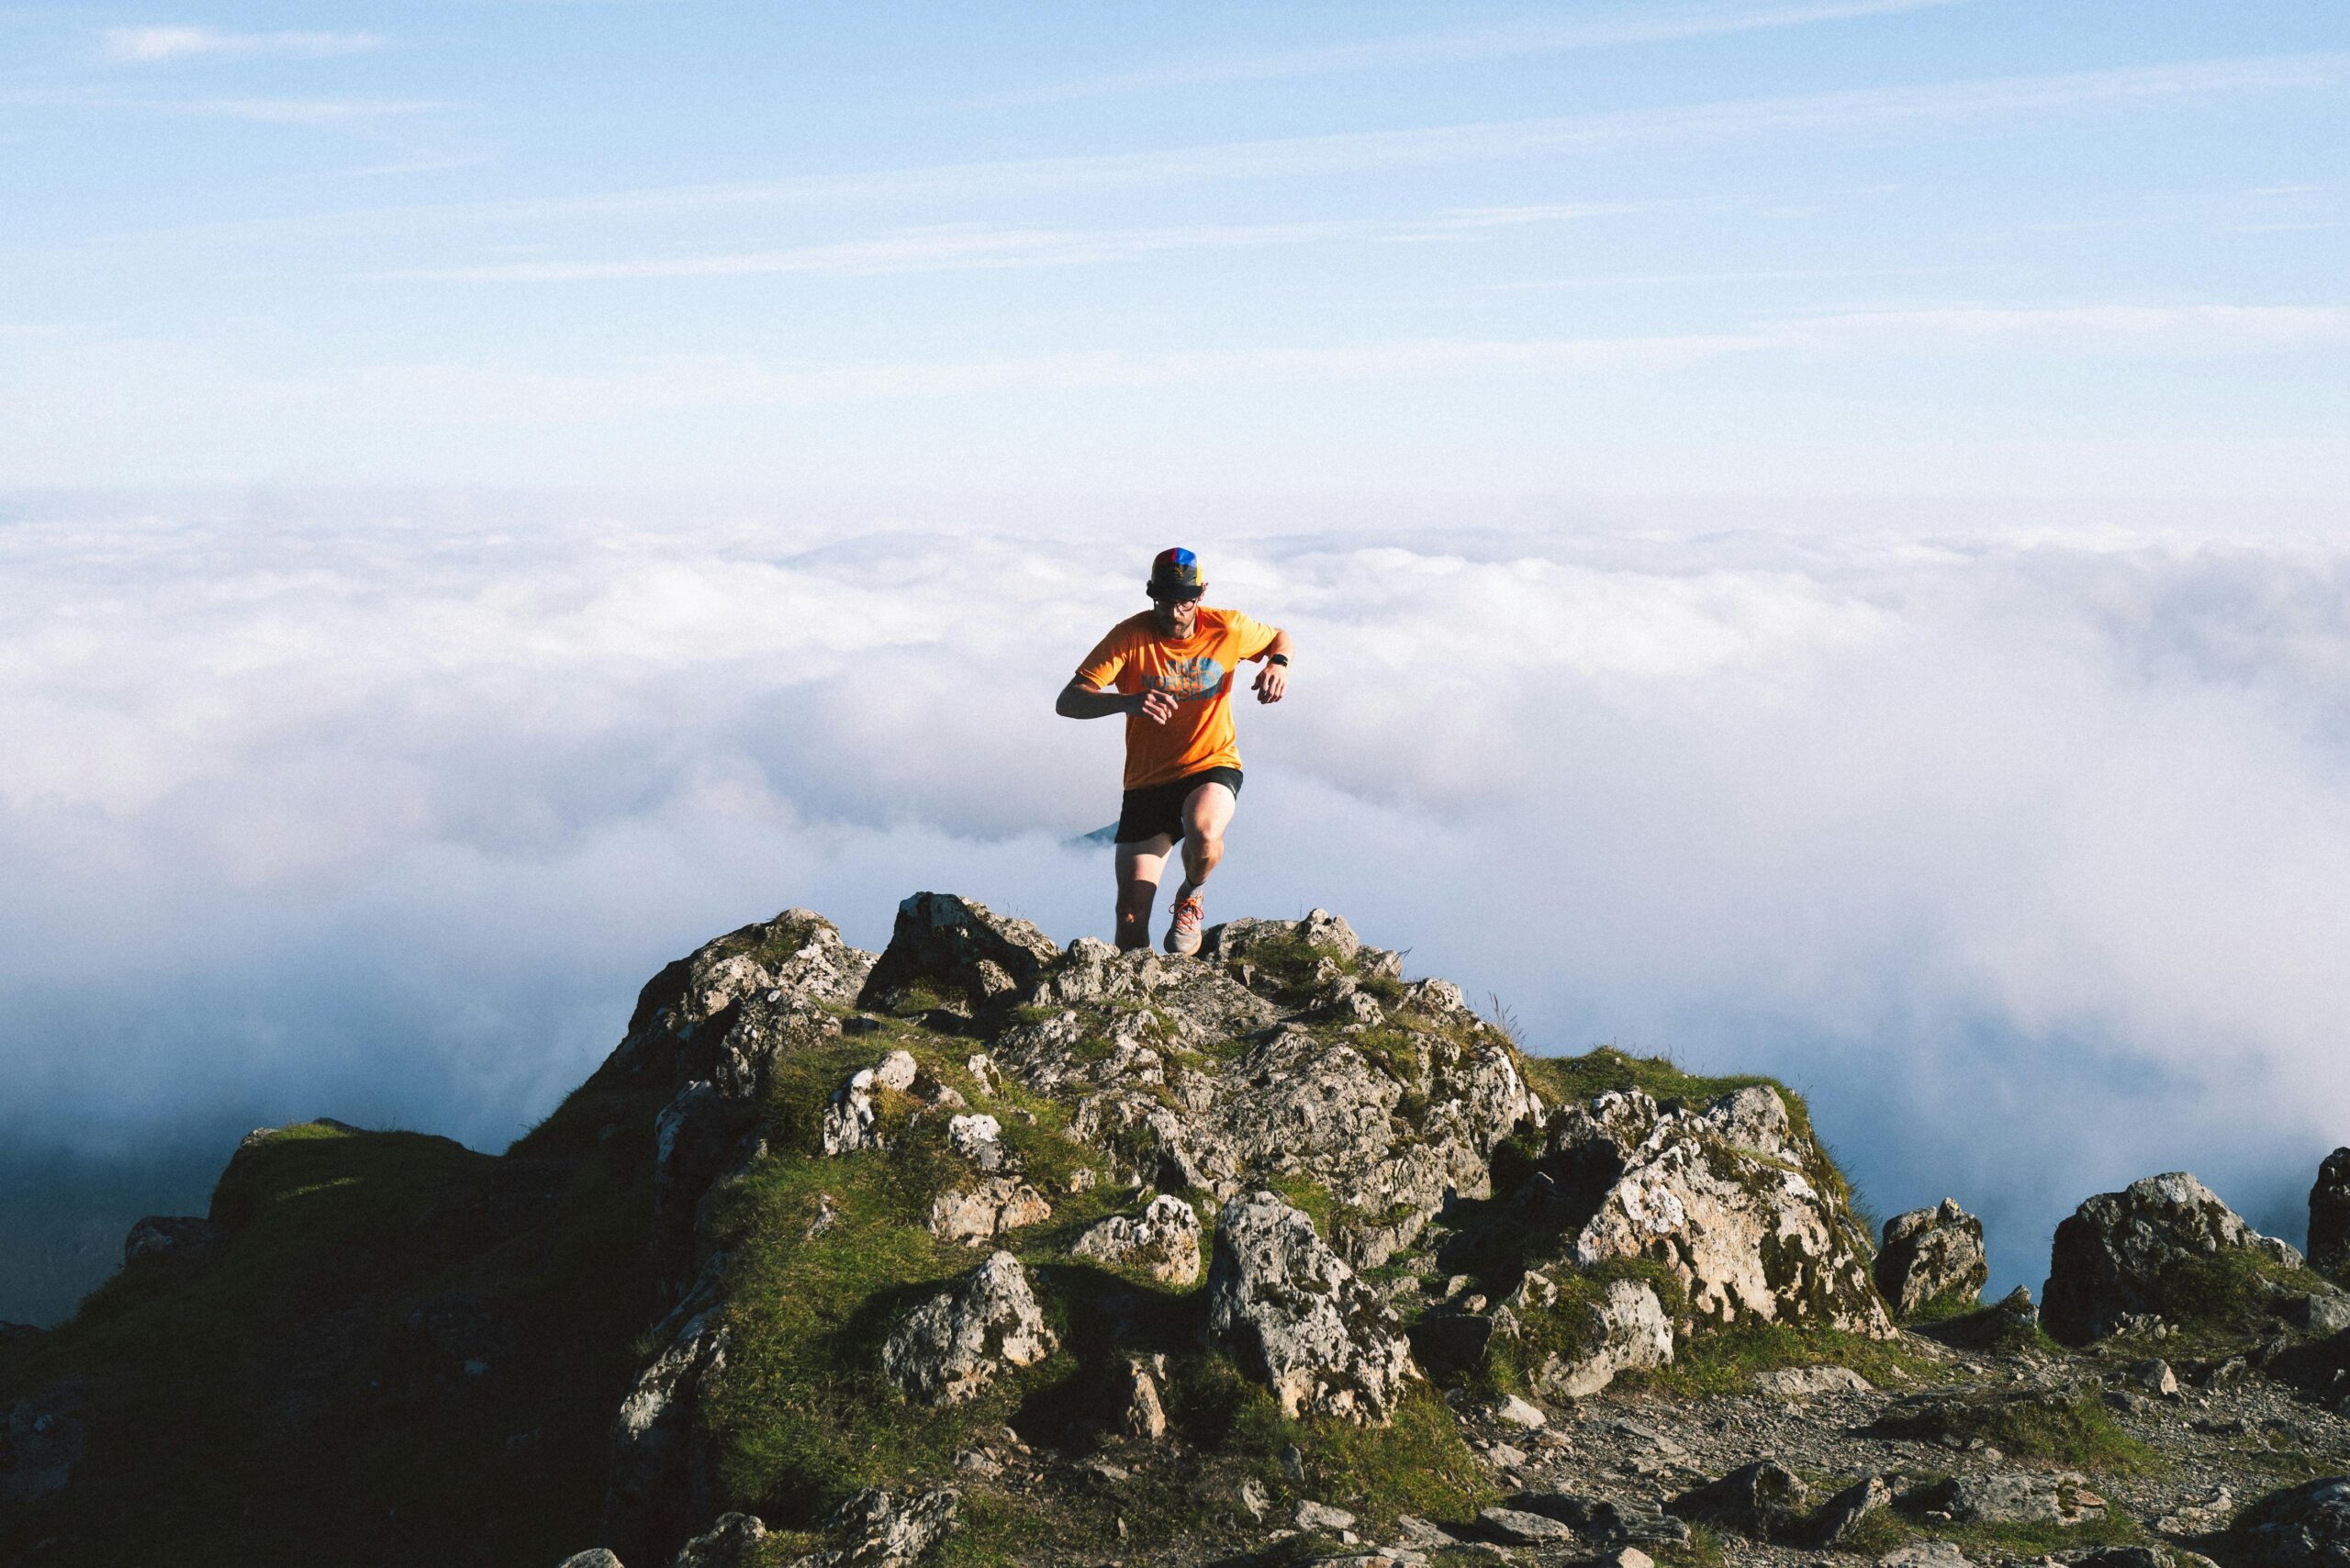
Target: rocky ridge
{"type": "Point", "coordinates": [988, 1249]}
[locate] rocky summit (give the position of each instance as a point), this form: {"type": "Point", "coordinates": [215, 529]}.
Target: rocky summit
{"type": "Point", "coordinates": [986, 1250]}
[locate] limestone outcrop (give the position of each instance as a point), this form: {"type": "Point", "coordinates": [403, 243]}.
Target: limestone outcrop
{"type": "Point", "coordinates": [1293, 1312]}
{"type": "Point", "coordinates": [1931, 1257]}
{"type": "Point", "coordinates": [2127, 1259]}
{"type": "Point", "coordinates": [1728, 1196]}
{"type": "Point", "coordinates": [2330, 1214]}
{"type": "Point", "coordinates": [1163, 1241]}
{"type": "Point", "coordinates": [953, 1345]}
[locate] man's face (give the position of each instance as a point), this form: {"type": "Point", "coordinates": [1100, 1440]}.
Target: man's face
{"type": "Point", "coordinates": [1177, 618]}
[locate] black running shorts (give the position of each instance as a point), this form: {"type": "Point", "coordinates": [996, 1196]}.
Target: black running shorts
{"type": "Point", "coordinates": [1159, 808]}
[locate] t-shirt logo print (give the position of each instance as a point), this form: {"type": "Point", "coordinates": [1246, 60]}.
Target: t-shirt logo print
{"type": "Point", "coordinates": [1188, 680]}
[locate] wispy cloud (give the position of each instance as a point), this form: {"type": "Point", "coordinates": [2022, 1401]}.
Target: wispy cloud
{"type": "Point", "coordinates": [2158, 329]}
{"type": "Point", "coordinates": [1456, 46]}
{"type": "Point", "coordinates": [978, 247]}
{"type": "Point", "coordinates": [147, 45]}
{"type": "Point", "coordinates": [323, 113]}
{"type": "Point", "coordinates": [1872, 110]}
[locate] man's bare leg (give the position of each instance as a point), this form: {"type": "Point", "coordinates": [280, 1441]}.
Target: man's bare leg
{"type": "Point", "coordinates": [1207, 812]}
{"type": "Point", "coordinates": [1140, 864]}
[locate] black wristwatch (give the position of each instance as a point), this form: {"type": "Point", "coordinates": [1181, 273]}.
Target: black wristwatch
{"type": "Point", "coordinates": [1276, 659]}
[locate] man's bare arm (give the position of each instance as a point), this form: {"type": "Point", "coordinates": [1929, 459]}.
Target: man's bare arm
{"type": "Point", "coordinates": [1079, 701]}
{"type": "Point", "coordinates": [1272, 681]}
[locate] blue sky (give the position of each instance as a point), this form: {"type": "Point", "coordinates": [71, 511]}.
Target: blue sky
{"type": "Point", "coordinates": [1870, 246]}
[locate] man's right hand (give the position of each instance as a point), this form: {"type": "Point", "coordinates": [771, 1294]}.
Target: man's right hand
{"type": "Point", "coordinates": [1155, 705]}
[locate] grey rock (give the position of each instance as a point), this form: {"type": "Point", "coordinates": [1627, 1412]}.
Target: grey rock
{"type": "Point", "coordinates": [969, 1217]}
{"type": "Point", "coordinates": [42, 1438]}
{"type": "Point", "coordinates": [1252, 1495]}
{"type": "Point", "coordinates": [1515, 1411]}
{"type": "Point", "coordinates": [1717, 1194]}
{"type": "Point", "coordinates": [852, 1121]}
{"type": "Point", "coordinates": [1929, 1256]}
{"type": "Point", "coordinates": [1763, 1499]}
{"type": "Point", "coordinates": [1321, 1516]}
{"type": "Point", "coordinates": [2301, 1527]}
{"type": "Point", "coordinates": [172, 1236]}
{"type": "Point", "coordinates": [952, 1346]}
{"type": "Point", "coordinates": [878, 1528]}
{"type": "Point", "coordinates": [1926, 1554]}
{"type": "Point", "coordinates": [2321, 1316]}
{"type": "Point", "coordinates": [1141, 1412]}
{"type": "Point", "coordinates": [978, 1138]}
{"type": "Point", "coordinates": [1163, 1241]}
{"type": "Point", "coordinates": [1294, 1314]}
{"type": "Point", "coordinates": [661, 1482]}
{"type": "Point", "coordinates": [1810, 1382]}
{"type": "Point", "coordinates": [687, 1014]}
{"type": "Point", "coordinates": [1626, 1329]}
{"type": "Point", "coordinates": [732, 1542]}
{"type": "Point", "coordinates": [1998, 1497]}
{"type": "Point", "coordinates": [594, 1557]}
{"type": "Point", "coordinates": [1841, 1514]}
{"type": "Point", "coordinates": [2112, 1256]}
{"type": "Point", "coordinates": [2330, 1214]}
{"type": "Point", "coordinates": [2154, 1375]}
{"type": "Point", "coordinates": [1607, 1521]}
{"type": "Point", "coordinates": [1516, 1527]}
{"type": "Point", "coordinates": [960, 948]}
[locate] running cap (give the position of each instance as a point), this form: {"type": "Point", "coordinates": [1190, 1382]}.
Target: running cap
{"type": "Point", "coordinates": [1175, 576]}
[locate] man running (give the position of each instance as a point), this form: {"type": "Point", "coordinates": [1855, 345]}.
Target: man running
{"type": "Point", "coordinates": [1169, 670]}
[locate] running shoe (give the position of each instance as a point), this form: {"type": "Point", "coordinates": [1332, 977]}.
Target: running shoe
{"type": "Point", "coordinates": [1183, 934]}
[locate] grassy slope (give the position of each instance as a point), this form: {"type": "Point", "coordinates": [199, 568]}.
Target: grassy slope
{"type": "Point", "coordinates": [250, 1407]}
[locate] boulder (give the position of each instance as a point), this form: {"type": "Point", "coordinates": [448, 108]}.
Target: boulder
{"type": "Point", "coordinates": [41, 1441]}
{"type": "Point", "coordinates": [732, 1542]}
{"type": "Point", "coordinates": [949, 1348]}
{"type": "Point", "coordinates": [2330, 1214]}
{"type": "Point", "coordinates": [1163, 1241]}
{"type": "Point", "coordinates": [660, 1483]}
{"type": "Point", "coordinates": [961, 950]}
{"type": "Point", "coordinates": [980, 1214]}
{"type": "Point", "coordinates": [1841, 1514]}
{"type": "Point", "coordinates": [594, 1557]}
{"type": "Point", "coordinates": [1721, 1197]}
{"type": "Point", "coordinates": [172, 1236]}
{"type": "Point", "coordinates": [2022, 1497]}
{"type": "Point", "coordinates": [751, 993]}
{"type": "Point", "coordinates": [1294, 1314]}
{"type": "Point", "coordinates": [853, 1116]}
{"type": "Point", "coordinates": [978, 1138]}
{"type": "Point", "coordinates": [2119, 1257]}
{"type": "Point", "coordinates": [1516, 1527]}
{"type": "Point", "coordinates": [1140, 1412]}
{"type": "Point", "coordinates": [1602, 1520]}
{"type": "Point", "coordinates": [877, 1529]}
{"type": "Point", "coordinates": [1931, 1257]}
{"type": "Point", "coordinates": [1626, 1329]}
{"type": "Point", "coordinates": [1763, 1499]}
{"type": "Point", "coordinates": [2302, 1527]}
{"type": "Point", "coordinates": [1800, 1383]}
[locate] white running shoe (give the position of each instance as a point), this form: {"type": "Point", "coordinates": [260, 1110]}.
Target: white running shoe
{"type": "Point", "coordinates": [1183, 934]}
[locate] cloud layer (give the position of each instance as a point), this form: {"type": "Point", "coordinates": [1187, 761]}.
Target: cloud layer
{"type": "Point", "coordinates": [2027, 855]}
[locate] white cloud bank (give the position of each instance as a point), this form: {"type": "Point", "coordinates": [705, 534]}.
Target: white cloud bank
{"type": "Point", "coordinates": [2028, 856]}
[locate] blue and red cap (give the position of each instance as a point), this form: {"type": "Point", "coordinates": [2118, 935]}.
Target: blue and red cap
{"type": "Point", "coordinates": [1175, 576]}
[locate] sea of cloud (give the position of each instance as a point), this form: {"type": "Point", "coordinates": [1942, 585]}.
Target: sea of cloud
{"type": "Point", "coordinates": [2027, 855]}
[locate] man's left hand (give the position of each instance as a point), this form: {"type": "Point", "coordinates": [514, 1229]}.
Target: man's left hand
{"type": "Point", "coordinates": [1271, 682]}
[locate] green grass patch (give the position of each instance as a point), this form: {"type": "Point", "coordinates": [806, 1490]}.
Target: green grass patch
{"type": "Point", "coordinates": [2064, 1426]}
{"type": "Point", "coordinates": [1725, 1360]}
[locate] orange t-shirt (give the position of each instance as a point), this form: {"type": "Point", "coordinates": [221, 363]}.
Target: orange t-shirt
{"type": "Point", "coordinates": [1196, 671]}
